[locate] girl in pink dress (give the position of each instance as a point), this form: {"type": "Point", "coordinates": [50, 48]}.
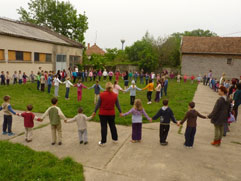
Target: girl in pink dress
{"type": "Point", "coordinates": [117, 88]}
{"type": "Point", "coordinates": [79, 86]}
{"type": "Point", "coordinates": [117, 74]}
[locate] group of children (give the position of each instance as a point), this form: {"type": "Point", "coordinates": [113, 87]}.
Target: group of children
{"type": "Point", "coordinates": [165, 114]}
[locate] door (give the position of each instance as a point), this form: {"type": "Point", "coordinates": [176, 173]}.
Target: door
{"type": "Point", "coordinates": [60, 62]}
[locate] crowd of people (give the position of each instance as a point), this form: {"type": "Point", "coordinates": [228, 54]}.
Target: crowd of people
{"type": "Point", "coordinates": [224, 112]}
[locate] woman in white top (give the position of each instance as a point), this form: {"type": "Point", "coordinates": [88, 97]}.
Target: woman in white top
{"type": "Point", "coordinates": [158, 90]}
{"type": "Point", "coordinates": [116, 88]}
{"type": "Point", "coordinates": [56, 86]}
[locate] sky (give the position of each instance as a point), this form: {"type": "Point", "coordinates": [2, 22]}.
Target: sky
{"type": "Point", "coordinates": [113, 20]}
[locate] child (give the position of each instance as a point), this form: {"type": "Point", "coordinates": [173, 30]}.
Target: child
{"type": "Point", "coordinates": [150, 88]}
{"type": "Point", "coordinates": [116, 87]}
{"type": "Point", "coordinates": [137, 111]}
{"type": "Point", "coordinates": [7, 78]}
{"type": "Point", "coordinates": [28, 122]}
{"type": "Point", "coordinates": [24, 78]}
{"type": "Point", "coordinates": [15, 77]}
{"type": "Point", "coordinates": [38, 80]}
{"type": "Point", "coordinates": [42, 82]}
{"type": "Point", "coordinates": [185, 78]}
{"type": "Point", "coordinates": [199, 79]}
{"type": "Point", "coordinates": [68, 84]}
{"type": "Point", "coordinates": [79, 86]}
{"type": "Point", "coordinates": [97, 89]}
{"type": "Point", "coordinates": [49, 82]}
{"type": "Point", "coordinates": [178, 78]}
{"type": "Point", "coordinates": [7, 116]}
{"type": "Point", "coordinates": [55, 115]}
{"type": "Point", "coordinates": [165, 85]}
{"type": "Point", "coordinates": [110, 75]}
{"type": "Point", "coordinates": [32, 76]}
{"type": "Point", "coordinates": [56, 86]}
{"type": "Point", "coordinates": [158, 90]}
{"type": "Point", "coordinates": [132, 90]}
{"type": "Point", "coordinates": [20, 77]}
{"type": "Point", "coordinates": [191, 117]}
{"type": "Point", "coordinates": [3, 78]}
{"type": "Point", "coordinates": [81, 120]}
{"type": "Point", "coordinates": [192, 79]}
{"type": "Point", "coordinates": [165, 114]}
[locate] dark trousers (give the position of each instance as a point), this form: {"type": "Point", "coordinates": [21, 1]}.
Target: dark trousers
{"type": "Point", "coordinates": [164, 129]}
{"type": "Point", "coordinates": [136, 131]}
{"type": "Point", "coordinates": [141, 80]}
{"type": "Point", "coordinates": [235, 108]}
{"type": "Point", "coordinates": [207, 82]}
{"type": "Point", "coordinates": [67, 93]}
{"type": "Point", "coordinates": [7, 123]}
{"type": "Point", "coordinates": [38, 84]}
{"type": "Point", "coordinates": [189, 136]}
{"type": "Point", "coordinates": [49, 88]}
{"type": "Point", "coordinates": [20, 81]}
{"type": "Point", "coordinates": [149, 93]}
{"type": "Point", "coordinates": [14, 80]}
{"type": "Point", "coordinates": [103, 122]}
{"type": "Point", "coordinates": [8, 81]}
{"type": "Point", "coordinates": [157, 99]}
{"type": "Point", "coordinates": [110, 78]}
{"type": "Point", "coordinates": [94, 78]}
{"type": "Point", "coordinates": [146, 81]}
{"type": "Point", "coordinates": [42, 87]}
{"type": "Point", "coordinates": [99, 78]}
{"type": "Point", "coordinates": [165, 90]}
{"type": "Point", "coordinates": [74, 79]}
{"type": "Point", "coordinates": [132, 99]}
{"type": "Point", "coordinates": [2, 82]}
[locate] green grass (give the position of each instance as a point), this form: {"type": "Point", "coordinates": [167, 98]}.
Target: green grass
{"type": "Point", "coordinates": [179, 95]}
{"type": "Point", "coordinates": [18, 162]}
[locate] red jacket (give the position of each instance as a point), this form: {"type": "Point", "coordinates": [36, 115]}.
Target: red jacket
{"type": "Point", "coordinates": [28, 119]}
{"type": "Point", "coordinates": [107, 106]}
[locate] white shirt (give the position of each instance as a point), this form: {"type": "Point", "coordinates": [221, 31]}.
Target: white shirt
{"type": "Point", "coordinates": [68, 83]}
{"type": "Point", "coordinates": [56, 82]}
{"type": "Point", "coordinates": [105, 73]}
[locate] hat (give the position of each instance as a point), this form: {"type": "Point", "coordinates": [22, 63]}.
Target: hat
{"type": "Point", "coordinates": [133, 82]}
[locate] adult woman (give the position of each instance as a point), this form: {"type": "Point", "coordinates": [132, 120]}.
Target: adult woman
{"type": "Point", "coordinates": [107, 101]}
{"type": "Point", "coordinates": [237, 100]}
{"type": "Point", "coordinates": [219, 115]}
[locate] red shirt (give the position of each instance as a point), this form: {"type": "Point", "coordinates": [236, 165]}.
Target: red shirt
{"type": "Point", "coordinates": [28, 119]}
{"type": "Point", "coordinates": [107, 106]}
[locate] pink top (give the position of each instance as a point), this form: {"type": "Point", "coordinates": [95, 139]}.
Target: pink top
{"type": "Point", "coordinates": [80, 87]}
{"type": "Point", "coordinates": [116, 89]}
{"type": "Point", "coordinates": [91, 74]}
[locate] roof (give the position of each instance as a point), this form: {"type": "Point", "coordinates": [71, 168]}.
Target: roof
{"type": "Point", "coordinates": [94, 50]}
{"type": "Point", "coordinates": [211, 45]}
{"type": "Point", "coordinates": [34, 32]}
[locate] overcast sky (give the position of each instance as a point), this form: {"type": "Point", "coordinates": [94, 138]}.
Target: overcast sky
{"type": "Point", "coordinates": [113, 20]}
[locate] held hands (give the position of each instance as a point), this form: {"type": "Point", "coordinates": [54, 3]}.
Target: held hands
{"type": "Point", "coordinates": [178, 123]}
{"type": "Point", "coordinates": [93, 114]}
{"type": "Point", "coordinates": [121, 114]}
{"type": "Point", "coordinates": [150, 120]}
{"type": "Point", "coordinates": [39, 119]}
{"type": "Point", "coordinates": [65, 121]}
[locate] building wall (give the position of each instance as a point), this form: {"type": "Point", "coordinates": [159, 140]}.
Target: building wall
{"type": "Point", "coordinates": [19, 44]}
{"type": "Point", "coordinates": [201, 64]}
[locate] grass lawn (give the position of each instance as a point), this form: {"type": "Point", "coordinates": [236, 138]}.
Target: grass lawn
{"type": "Point", "coordinates": [179, 95]}
{"type": "Point", "coordinates": [18, 162]}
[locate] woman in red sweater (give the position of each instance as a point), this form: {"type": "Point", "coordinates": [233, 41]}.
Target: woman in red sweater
{"type": "Point", "coordinates": [106, 103]}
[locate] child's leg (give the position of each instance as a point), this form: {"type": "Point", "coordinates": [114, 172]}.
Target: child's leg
{"type": "Point", "coordinates": [9, 122]}
{"type": "Point", "coordinates": [139, 131]}
{"type": "Point", "coordinates": [192, 136]}
{"type": "Point", "coordinates": [5, 123]}
{"type": "Point", "coordinates": [188, 136]}
{"type": "Point", "coordinates": [134, 131]}
{"type": "Point", "coordinates": [85, 135]}
{"type": "Point", "coordinates": [80, 135]}
{"type": "Point", "coordinates": [26, 133]}
{"type": "Point", "coordinates": [59, 131]}
{"type": "Point", "coordinates": [165, 132]}
{"type": "Point", "coordinates": [67, 93]}
{"type": "Point", "coordinates": [53, 130]}
{"type": "Point", "coordinates": [161, 133]}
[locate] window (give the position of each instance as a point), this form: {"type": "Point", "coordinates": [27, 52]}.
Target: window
{"type": "Point", "coordinates": [42, 57]}
{"type": "Point", "coordinates": [73, 61]}
{"type": "Point", "coordinates": [61, 58]}
{"type": "Point", "coordinates": [19, 55]}
{"type": "Point", "coordinates": [229, 61]}
{"type": "Point", "coordinates": [1, 54]}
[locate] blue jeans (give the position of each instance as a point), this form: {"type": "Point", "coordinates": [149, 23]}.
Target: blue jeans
{"type": "Point", "coordinates": [67, 93]}
{"type": "Point", "coordinates": [38, 84]}
{"type": "Point", "coordinates": [49, 88]}
{"type": "Point", "coordinates": [141, 80]}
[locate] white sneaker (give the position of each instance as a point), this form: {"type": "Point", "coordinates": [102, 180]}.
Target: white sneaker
{"type": "Point", "coordinates": [150, 102]}
{"type": "Point", "coordinates": [115, 141]}
{"type": "Point", "coordinates": [101, 144]}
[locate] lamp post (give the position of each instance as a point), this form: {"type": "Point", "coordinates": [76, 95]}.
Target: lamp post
{"type": "Point", "coordinates": [122, 41]}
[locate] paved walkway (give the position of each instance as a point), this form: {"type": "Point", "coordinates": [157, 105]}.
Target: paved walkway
{"type": "Point", "coordinates": [148, 160]}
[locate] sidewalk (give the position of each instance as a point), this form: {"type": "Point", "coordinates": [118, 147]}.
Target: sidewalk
{"type": "Point", "coordinates": [149, 160]}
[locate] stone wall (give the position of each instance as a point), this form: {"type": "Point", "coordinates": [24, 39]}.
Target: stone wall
{"type": "Point", "coordinates": [201, 64]}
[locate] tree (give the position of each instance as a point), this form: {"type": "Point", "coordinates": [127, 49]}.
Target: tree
{"type": "Point", "coordinates": [61, 17]}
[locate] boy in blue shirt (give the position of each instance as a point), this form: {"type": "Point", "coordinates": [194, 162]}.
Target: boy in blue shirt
{"type": "Point", "coordinates": [97, 89]}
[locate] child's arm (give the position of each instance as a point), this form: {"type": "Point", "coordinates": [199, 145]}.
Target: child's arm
{"type": "Point", "coordinates": [84, 86]}
{"type": "Point", "coordinates": [45, 114]}
{"type": "Point", "coordinates": [88, 118]}
{"type": "Point", "coordinates": [127, 113]}
{"type": "Point", "coordinates": [71, 83]}
{"type": "Point", "coordinates": [137, 88]}
{"type": "Point", "coordinates": [184, 119]}
{"type": "Point", "coordinates": [201, 116]}
{"type": "Point", "coordinates": [147, 117]}
{"type": "Point", "coordinates": [127, 89]}
{"type": "Point", "coordinates": [173, 118]}
{"type": "Point", "coordinates": [11, 110]}
{"type": "Point", "coordinates": [61, 115]}
{"type": "Point", "coordinates": [70, 120]}
{"type": "Point", "coordinates": [101, 88]}
{"type": "Point", "coordinates": [92, 86]}
{"type": "Point", "coordinates": [146, 87]}
{"type": "Point", "coordinates": [158, 114]}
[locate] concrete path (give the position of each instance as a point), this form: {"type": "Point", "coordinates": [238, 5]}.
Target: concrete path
{"type": "Point", "coordinates": [148, 160]}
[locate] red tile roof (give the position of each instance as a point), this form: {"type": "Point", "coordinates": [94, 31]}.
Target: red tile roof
{"type": "Point", "coordinates": [211, 45]}
{"type": "Point", "coordinates": [94, 50]}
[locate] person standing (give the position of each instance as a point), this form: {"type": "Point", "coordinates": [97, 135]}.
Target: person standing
{"type": "Point", "coordinates": [126, 81]}
{"type": "Point", "coordinates": [237, 100]}
{"type": "Point", "coordinates": [150, 88]}
{"type": "Point", "coordinates": [209, 77]}
{"type": "Point", "coordinates": [106, 103]}
{"type": "Point", "coordinates": [165, 86]}
{"type": "Point", "coordinates": [56, 86]}
{"type": "Point", "coordinates": [219, 115]}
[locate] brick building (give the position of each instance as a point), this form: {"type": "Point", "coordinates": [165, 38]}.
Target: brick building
{"type": "Point", "coordinates": [219, 54]}
{"type": "Point", "coordinates": [94, 49]}
{"type": "Point", "coordinates": [27, 47]}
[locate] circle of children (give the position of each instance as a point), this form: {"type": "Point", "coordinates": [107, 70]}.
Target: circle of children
{"type": "Point", "coordinates": [165, 114]}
